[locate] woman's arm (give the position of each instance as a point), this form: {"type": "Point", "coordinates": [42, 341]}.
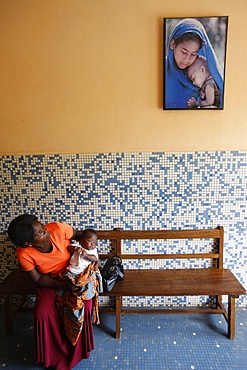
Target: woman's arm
{"type": "Point", "coordinates": [46, 281]}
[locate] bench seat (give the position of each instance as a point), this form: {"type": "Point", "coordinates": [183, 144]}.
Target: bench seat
{"type": "Point", "coordinates": [179, 282]}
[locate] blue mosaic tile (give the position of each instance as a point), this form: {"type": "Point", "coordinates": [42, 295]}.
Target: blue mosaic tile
{"type": "Point", "coordinates": [132, 191]}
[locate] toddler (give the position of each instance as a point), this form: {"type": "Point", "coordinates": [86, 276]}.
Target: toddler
{"type": "Point", "coordinates": [85, 252]}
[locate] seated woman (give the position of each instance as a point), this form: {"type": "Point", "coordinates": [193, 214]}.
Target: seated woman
{"type": "Point", "coordinates": [42, 252]}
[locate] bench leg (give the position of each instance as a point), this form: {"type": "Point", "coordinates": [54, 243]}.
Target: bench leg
{"type": "Point", "coordinates": [118, 316]}
{"type": "Point", "coordinates": [218, 300]}
{"type": "Point", "coordinates": [231, 317]}
{"type": "Point", "coordinates": [9, 315]}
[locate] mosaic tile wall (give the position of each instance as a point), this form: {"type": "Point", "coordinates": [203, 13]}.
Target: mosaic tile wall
{"type": "Point", "coordinates": [132, 191]}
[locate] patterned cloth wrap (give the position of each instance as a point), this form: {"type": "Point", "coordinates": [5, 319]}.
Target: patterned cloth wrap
{"type": "Point", "coordinates": [71, 304]}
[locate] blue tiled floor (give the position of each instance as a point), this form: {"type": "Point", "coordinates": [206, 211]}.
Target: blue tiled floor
{"type": "Point", "coordinates": [157, 342]}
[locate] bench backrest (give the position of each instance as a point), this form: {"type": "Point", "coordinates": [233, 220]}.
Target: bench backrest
{"type": "Point", "coordinates": [117, 236]}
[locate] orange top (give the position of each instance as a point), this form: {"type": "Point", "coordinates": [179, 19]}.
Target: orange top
{"type": "Point", "coordinates": [54, 262]}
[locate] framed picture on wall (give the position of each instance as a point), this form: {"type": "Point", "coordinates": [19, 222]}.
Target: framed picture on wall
{"type": "Point", "coordinates": [194, 63]}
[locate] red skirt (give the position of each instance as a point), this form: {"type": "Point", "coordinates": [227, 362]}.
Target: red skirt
{"type": "Point", "coordinates": [52, 347]}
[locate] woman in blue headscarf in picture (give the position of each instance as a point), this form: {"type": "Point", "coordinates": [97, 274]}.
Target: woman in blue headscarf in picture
{"type": "Point", "coordinates": [188, 40]}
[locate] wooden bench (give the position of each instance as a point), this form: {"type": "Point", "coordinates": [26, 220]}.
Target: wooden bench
{"type": "Point", "coordinates": [16, 283]}
{"type": "Point", "coordinates": [214, 281]}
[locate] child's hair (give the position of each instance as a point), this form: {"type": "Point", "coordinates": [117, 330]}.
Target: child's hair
{"type": "Point", "coordinates": [200, 61]}
{"type": "Point", "coordinates": [189, 36]}
{"type": "Point", "coordinates": [88, 232]}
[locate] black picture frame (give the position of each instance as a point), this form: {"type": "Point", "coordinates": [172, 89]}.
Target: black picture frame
{"type": "Point", "coordinates": [194, 41]}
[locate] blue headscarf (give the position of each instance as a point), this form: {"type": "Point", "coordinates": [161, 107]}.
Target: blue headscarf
{"type": "Point", "coordinates": [178, 88]}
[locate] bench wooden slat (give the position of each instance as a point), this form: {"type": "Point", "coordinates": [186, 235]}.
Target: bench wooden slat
{"type": "Point", "coordinates": [164, 256]}
{"type": "Point", "coordinates": [159, 234]}
{"type": "Point", "coordinates": [178, 282]}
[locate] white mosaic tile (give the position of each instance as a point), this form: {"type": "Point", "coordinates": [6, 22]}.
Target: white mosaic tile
{"type": "Point", "coordinates": [132, 191]}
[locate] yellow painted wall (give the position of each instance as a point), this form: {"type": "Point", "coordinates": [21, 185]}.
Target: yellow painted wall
{"type": "Point", "coordinates": [85, 76]}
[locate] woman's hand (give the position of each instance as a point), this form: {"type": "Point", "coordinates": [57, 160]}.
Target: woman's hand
{"type": "Point", "coordinates": [192, 103]}
{"type": "Point", "coordinates": [71, 248]}
{"type": "Point", "coordinates": [68, 285]}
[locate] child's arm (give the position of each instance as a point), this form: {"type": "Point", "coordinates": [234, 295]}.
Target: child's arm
{"type": "Point", "coordinates": [209, 96]}
{"type": "Point", "coordinates": [90, 257]}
